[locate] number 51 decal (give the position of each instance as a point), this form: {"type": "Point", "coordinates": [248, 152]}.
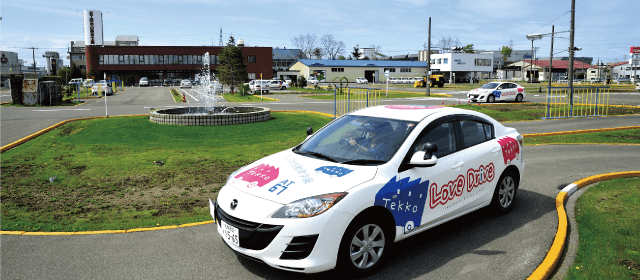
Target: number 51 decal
{"type": "Point", "coordinates": [281, 185]}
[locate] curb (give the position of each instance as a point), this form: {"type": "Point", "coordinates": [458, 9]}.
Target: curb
{"type": "Point", "coordinates": [545, 269]}
{"type": "Point", "coordinates": [312, 112]}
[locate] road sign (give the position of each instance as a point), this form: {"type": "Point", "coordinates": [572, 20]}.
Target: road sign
{"type": "Point", "coordinates": [386, 73]}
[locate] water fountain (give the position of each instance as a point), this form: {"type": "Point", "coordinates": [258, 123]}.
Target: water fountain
{"type": "Point", "coordinates": [210, 107]}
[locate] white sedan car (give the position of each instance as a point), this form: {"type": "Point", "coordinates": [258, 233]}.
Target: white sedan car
{"type": "Point", "coordinates": [346, 194]}
{"type": "Point", "coordinates": [185, 83]}
{"type": "Point", "coordinates": [493, 92]}
{"type": "Point", "coordinates": [312, 81]}
{"type": "Point", "coordinates": [361, 80]}
{"type": "Point", "coordinates": [102, 87]}
{"type": "Point", "coordinates": [638, 86]}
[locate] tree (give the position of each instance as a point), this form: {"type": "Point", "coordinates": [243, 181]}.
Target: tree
{"type": "Point", "coordinates": [331, 47]}
{"type": "Point", "coordinates": [468, 49]}
{"type": "Point", "coordinates": [356, 52]}
{"type": "Point", "coordinates": [446, 43]}
{"type": "Point", "coordinates": [376, 52]}
{"type": "Point", "coordinates": [317, 53]}
{"type": "Point", "coordinates": [64, 73]}
{"type": "Point", "coordinates": [341, 57]}
{"type": "Point", "coordinates": [307, 43]}
{"type": "Point", "coordinates": [75, 71]}
{"type": "Point", "coordinates": [506, 53]}
{"type": "Point", "coordinates": [232, 69]}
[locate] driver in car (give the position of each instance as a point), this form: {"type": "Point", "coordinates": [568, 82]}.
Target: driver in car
{"type": "Point", "coordinates": [374, 144]}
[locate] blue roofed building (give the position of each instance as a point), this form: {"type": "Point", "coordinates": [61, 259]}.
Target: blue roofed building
{"type": "Point", "coordinates": [373, 70]}
{"type": "Point", "coordinates": [282, 60]}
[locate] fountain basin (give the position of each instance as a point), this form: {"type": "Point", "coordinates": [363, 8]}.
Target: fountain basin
{"type": "Point", "coordinates": [228, 115]}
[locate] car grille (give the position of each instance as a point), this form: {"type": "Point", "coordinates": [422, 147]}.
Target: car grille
{"type": "Point", "coordinates": [299, 248]}
{"type": "Point", "coordinates": [253, 236]}
{"type": "Point", "coordinates": [473, 95]}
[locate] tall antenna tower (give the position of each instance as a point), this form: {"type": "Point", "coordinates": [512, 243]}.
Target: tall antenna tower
{"type": "Point", "coordinates": [220, 36]}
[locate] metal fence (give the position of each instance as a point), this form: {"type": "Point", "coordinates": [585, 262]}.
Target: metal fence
{"type": "Point", "coordinates": [586, 102]}
{"type": "Point", "coordinates": [348, 99]}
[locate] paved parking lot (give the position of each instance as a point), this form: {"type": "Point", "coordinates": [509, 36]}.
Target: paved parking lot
{"type": "Point", "coordinates": [478, 245]}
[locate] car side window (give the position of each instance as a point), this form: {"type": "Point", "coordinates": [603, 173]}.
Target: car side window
{"type": "Point", "coordinates": [443, 136]}
{"type": "Point", "coordinates": [474, 132]}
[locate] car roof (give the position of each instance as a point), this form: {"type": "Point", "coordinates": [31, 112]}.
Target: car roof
{"type": "Point", "coordinates": [414, 113]}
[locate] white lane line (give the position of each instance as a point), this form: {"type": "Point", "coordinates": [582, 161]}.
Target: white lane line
{"type": "Point", "coordinates": [56, 110]}
{"type": "Point", "coordinates": [189, 94]}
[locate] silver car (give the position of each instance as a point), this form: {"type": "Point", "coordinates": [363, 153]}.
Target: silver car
{"type": "Point", "coordinates": [185, 83]}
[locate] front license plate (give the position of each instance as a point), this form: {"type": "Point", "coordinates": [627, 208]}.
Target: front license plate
{"type": "Point", "coordinates": [230, 233]}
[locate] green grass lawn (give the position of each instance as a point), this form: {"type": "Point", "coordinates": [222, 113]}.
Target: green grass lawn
{"type": "Point", "coordinates": [106, 177]}
{"type": "Point", "coordinates": [608, 217]}
{"type": "Point", "coordinates": [531, 111]}
{"type": "Point", "coordinates": [246, 98]}
{"type": "Point", "coordinates": [629, 136]}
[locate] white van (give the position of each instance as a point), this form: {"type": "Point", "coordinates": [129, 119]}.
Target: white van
{"type": "Point", "coordinates": [75, 81]}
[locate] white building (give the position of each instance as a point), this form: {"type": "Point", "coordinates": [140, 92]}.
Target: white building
{"type": "Point", "coordinates": [624, 70]}
{"type": "Point", "coordinates": [461, 65]}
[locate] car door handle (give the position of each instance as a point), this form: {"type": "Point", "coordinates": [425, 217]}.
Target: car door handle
{"type": "Point", "coordinates": [496, 150]}
{"type": "Point", "coordinates": [457, 165]}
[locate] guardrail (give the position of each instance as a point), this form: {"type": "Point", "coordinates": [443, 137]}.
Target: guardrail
{"type": "Point", "coordinates": [348, 99]}
{"type": "Point", "coordinates": [586, 102]}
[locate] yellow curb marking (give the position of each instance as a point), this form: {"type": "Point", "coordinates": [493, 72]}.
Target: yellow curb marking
{"type": "Point", "coordinates": [549, 263]}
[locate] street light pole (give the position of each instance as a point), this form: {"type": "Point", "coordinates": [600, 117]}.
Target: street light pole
{"type": "Point", "coordinates": [428, 80]}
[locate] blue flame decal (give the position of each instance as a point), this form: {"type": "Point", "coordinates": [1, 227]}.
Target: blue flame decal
{"type": "Point", "coordinates": [334, 171]}
{"type": "Point", "coordinates": [405, 199]}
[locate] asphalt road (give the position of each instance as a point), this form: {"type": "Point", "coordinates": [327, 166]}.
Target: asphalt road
{"type": "Point", "coordinates": [478, 245]}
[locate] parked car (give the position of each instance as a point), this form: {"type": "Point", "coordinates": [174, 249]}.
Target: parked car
{"type": "Point", "coordinates": [167, 82]}
{"type": "Point", "coordinates": [312, 81]}
{"type": "Point", "coordinates": [257, 85]}
{"type": "Point", "coordinates": [393, 80]}
{"type": "Point", "coordinates": [347, 193]}
{"type": "Point", "coordinates": [276, 84]}
{"type": "Point", "coordinates": [185, 83]}
{"type": "Point", "coordinates": [75, 81]}
{"type": "Point", "coordinates": [102, 87]}
{"type": "Point", "coordinates": [638, 86]}
{"type": "Point", "coordinates": [214, 87]}
{"type": "Point", "coordinates": [623, 80]}
{"type": "Point", "coordinates": [496, 91]}
{"type": "Point", "coordinates": [144, 82]}
{"type": "Point", "coordinates": [88, 83]}
{"type": "Point", "coordinates": [361, 80]}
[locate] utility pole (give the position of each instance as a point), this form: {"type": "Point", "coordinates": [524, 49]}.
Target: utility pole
{"type": "Point", "coordinates": [34, 58]}
{"type": "Point", "coordinates": [571, 50]}
{"type": "Point", "coordinates": [551, 58]}
{"type": "Point", "coordinates": [428, 81]}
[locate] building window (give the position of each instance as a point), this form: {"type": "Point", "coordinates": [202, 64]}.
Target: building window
{"type": "Point", "coordinates": [406, 70]}
{"type": "Point", "coordinates": [199, 57]}
{"type": "Point", "coordinates": [390, 69]}
{"type": "Point", "coordinates": [628, 68]}
{"type": "Point", "coordinates": [252, 76]}
{"type": "Point", "coordinates": [251, 59]}
{"type": "Point", "coordinates": [337, 69]}
{"type": "Point", "coordinates": [446, 61]}
{"type": "Point", "coordinates": [101, 59]}
{"type": "Point", "coordinates": [483, 62]}
{"type": "Point", "coordinates": [141, 59]}
{"type": "Point", "coordinates": [160, 59]}
{"type": "Point", "coordinates": [121, 59]}
{"type": "Point", "coordinates": [180, 59]}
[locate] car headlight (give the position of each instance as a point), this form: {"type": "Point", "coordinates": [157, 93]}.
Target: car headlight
{"type": "Point", "coordinates": [309, 207]}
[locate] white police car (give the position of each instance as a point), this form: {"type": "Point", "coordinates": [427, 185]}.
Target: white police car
{"type": "Point", "coordinates": [364, 181]}
{"type": "Point", "coordinates": [493, 92]}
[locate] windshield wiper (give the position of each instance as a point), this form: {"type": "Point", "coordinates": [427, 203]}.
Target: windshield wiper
{"type": "Point", "coordinates": [363, 161]}
{"type": "Point", "coordinates": [317, 155]}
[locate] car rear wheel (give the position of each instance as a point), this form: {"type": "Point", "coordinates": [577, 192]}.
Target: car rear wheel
{"type": "Point", "coordinates": [519, 98]}
{"type": "Point", "coordinates": [491, 98]}
{"type": "Point", "coordinates": [505, 193]}
{"type": "Point", "coordinates": [364, 246]}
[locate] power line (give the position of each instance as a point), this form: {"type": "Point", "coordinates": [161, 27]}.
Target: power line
{"type": "Point", "coordinates": [549, 22]}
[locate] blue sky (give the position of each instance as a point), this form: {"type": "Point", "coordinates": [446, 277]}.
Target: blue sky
{"type": "Point", "coordinates": [605, 30]}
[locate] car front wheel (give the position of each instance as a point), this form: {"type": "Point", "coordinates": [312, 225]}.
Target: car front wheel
{"type": "Point", "coordinates": [364, 246]}
{"type": "Point", "coordinates": [491, 98]}
{"type": "Point", "coordinates": [505, 193]}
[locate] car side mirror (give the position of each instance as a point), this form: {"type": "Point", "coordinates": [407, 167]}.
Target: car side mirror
{"type": "Point", "coordinates": [425, 158]}
{"type": "Point", "coordinates": [309, 131]}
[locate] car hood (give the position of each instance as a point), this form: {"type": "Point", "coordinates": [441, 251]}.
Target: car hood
{"type": "Point", "coordinates": [480, 91]}
{"type": "Point", "coordinates": [286, 177]}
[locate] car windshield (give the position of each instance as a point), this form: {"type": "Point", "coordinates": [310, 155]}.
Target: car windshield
{"type": "Point", "coordinates": [490, 85]}
{"type": "Point", "coordinates": [358, 140]}
{"type": "Point", "coordinates": [143, 79]}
